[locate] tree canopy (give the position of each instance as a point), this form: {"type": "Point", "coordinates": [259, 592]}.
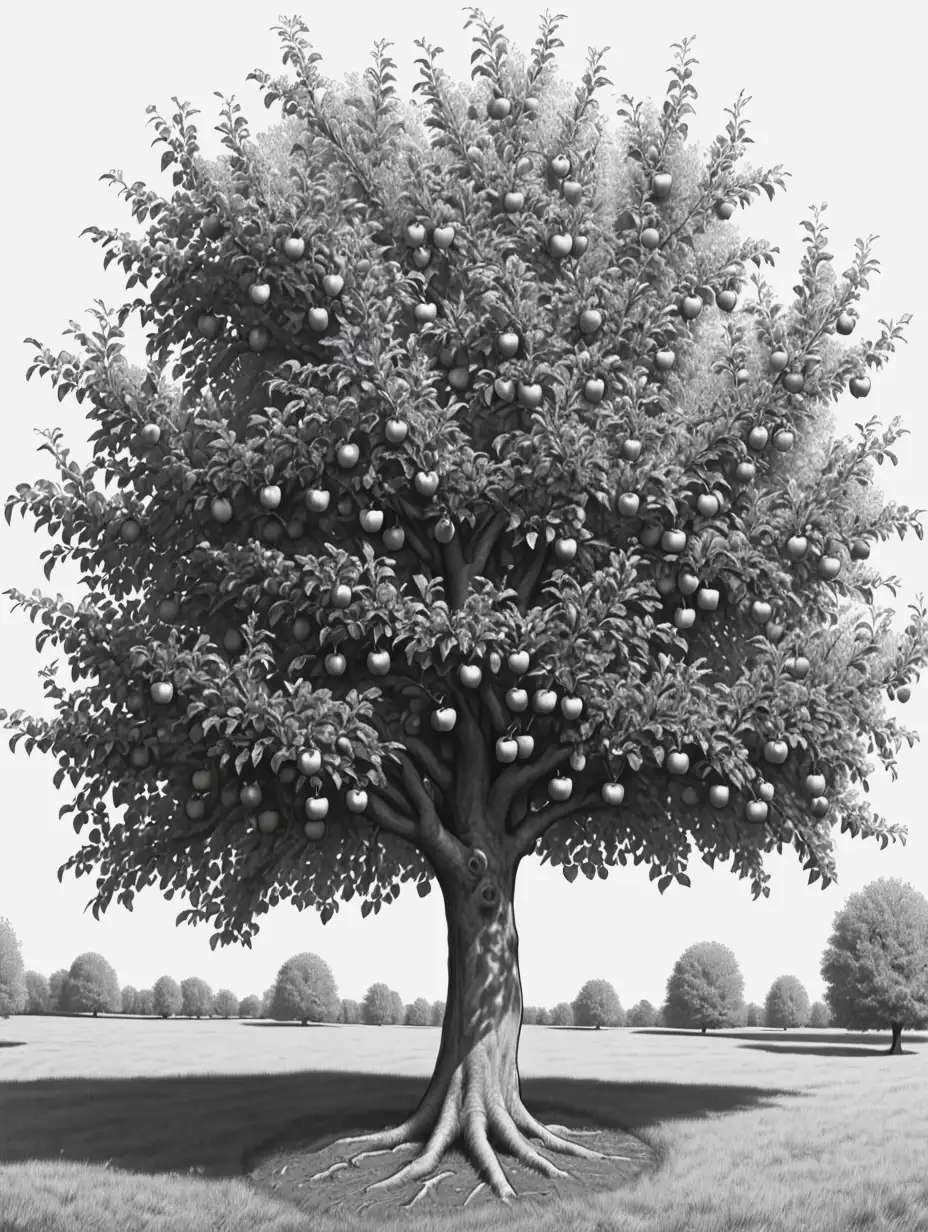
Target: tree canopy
{"type": "Point", "coordinates": [166, 997]}
{"type": "Point", "coordinates": [378, 1008]}
{"type": "Point", "coordinates": [418, 1013]}
{"type": "Point", "coordinates": [597, 1005]}
{"type": "Point", "coordinates": [13, 993]}
{"type": "Point", "coordinates": [642, 1014]}
{"type": "Point", "coordinates": [305, 991]}
{"type": "Point", "coordinates": [37, 993]}
{"type": "Point", "coordinates": [705, 988]}
{"type": "Point", "coordinates": [561, 1015]}
{"type": "Point", "coordinates": [787, 1003]}
{"type": "Point", "coordinates": [92, 987]}
{"type": "Point", "coordinates": [225, 1004]}
{"type": "Point", "coordinates": [196, 997]}
{"type": "Point", "coordinates": [249, 1007]}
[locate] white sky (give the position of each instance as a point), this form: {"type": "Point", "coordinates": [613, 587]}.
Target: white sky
{"type": "Point", "coordinates": [831, 101]}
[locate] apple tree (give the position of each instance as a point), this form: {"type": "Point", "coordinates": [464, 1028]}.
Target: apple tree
{"type": "Point", "coordinates": [350, 1012]}
{"type": "Point", "coordinates": [560, 1015]}
{"type": "Point", "coordinates": [13, 992]}
{"type": "Point", "coordinates": [418, 1013]}
{"type": "Point", "coordinates": [875, 965]}
{"type": "Point", "coordinates": [377, 1007]}
{"type": "Point", "coordinates": [56, 983]}
{"type": "Point", "coordinates": [249, 1007]}
{"type": "Point", "coordinates": [478, 501]}
{"type": "Point", "coordinates": [705, 988]}
{"type": "Point", "coordinates": [128, 999]}
{"type": "Point", "coordinates": [787, 1003]}
{"type": "Point", "coordinates": [145, 1002]}
{"type": "Point", "coordinates": [437, 1014]}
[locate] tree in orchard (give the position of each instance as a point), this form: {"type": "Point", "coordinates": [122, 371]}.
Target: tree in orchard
{"type": "Point", "coordinates": [787, 1003]}
{"type": "Point", "coordinates": [166, 997]}
{"type": "Point", "coordinates": [196, 997]}
{"type": "Point", "coordinates": [642, 1014]}
{"type": "Point", "coordinates": [13, 991]}
{"type": "Point", "coordinates": [305, 991]}
{"type": "Point", "coordinates": [705, 988]}
{"type": "Point", "coordinates": [37, 996]}
{"type": "Point", "coordinates": [92, 987]}
{"type": "Point", "coordinates": [875, 965]}
{"type": "Point", "coordinates": [493, 508]}
{"type": "Point", "coordinates": [818, 1015]}
{"type": "Point", "coordinates": [397, 1009]}
{"type": "Point", "coordinates": [225, 1004]}
{"type": "Point", "coordinates": [597, 1005]}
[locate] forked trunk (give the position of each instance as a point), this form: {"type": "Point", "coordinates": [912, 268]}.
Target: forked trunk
{"type": "Point", "coordinates": [474, 1096]}
{"type": "Point", "coordinates": [895, 1048]}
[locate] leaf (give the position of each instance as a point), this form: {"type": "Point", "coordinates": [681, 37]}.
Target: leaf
{"type": "Point", "coordinates": [423, 888]}
{"type": "Point", "coordinates": [570, 872]}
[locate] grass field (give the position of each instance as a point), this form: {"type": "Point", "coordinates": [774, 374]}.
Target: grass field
{"type": "Point", "coordinates": [125, 1125]}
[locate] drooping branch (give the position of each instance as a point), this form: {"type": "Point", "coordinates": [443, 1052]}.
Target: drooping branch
{"type": "Point", "coordinates": [535, 824]}
{"type": "Point", "coordinates": [517, 779]}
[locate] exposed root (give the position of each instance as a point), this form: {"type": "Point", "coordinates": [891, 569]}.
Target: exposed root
{"type": "Point", "coordinates": [418, 1169]}
{"type": "Point", "coordinates": [473, 1193]}
{"type": "Point", "coordinates": [502, 1124]}
{"type": "Point", "coordinates": [426, 1186]}
{"type": "Point", "coordinates": [355, 1160]}
{"type": "Point", "coordinates": [524, 1121]}
{"type": "Point", "coordinates": [322, 1176]}
{"type": "Point", "coordinates": [575, 1133]}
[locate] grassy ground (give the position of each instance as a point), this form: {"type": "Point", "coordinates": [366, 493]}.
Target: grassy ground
{"type": "Point", "coordinates": [120, 1125]}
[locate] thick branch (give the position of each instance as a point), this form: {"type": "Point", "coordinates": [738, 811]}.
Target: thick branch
{"type": "Point", "coordinates": [520, 778]}
{"type": "Point", "coordinates": [536, 824]}
{"type": "Point", "coordinates": [443, 849]}
{"type": "Point", "coordinates": [387, 817]}
{"type": "Point", "coordinates": [421, 751]}
{"type": "Point", "coordinates": [424, 548]}
{"type": "Point", "coordinates": [456, 573]}
{"type": "Point", "coordinates": [481, 545]}
{"type": "Point", "coordinates": [527, 584]}
{"type": "Point", "coordinates": [498, 716]}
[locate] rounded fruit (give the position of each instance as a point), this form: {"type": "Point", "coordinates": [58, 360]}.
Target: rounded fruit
{"type": "Point", "coordinates": [259, 293]}
{"type": "Point", "coordinates": [560, 165]}
{"type": "Point", "coordinates": [195, 809]}
{"type": "Point", "coordinates": [776, 752]}
{"type": "Point", "coordinates": [356, 800]}
{"type": "Point", "coordinates": [719, 795]}
{"type": "Point", "coordinates": [347, 455]}
{"type": "Point", "coordinates": [628, 504]}
{"type": "Point", "coordinates": [684, 617]}
{"type": "Point", "coordinates": [335, 664]}
{"type": "Point", "coordinates": [799, 667]}
{"type": "Point", "coordinates": [201, 780]}
{"type": "Point", "coordinates": [506, 750]}
{"type": "Point", "coordinates": [560, 245]}
{"type": "Point", "coordinates": [426, 483]}
{"type": "Point", "coordinates": [518, 662]}
{"type": "Point", "coordinates": [444, 719]}
{"type": "Point", "coordinates": [526, 745]}
{"type": "Point", "coordinates": [650, 238]}
{"type": "Point", "coordinates": [631, 450]}
{"type": "Point", "coordinates": [559, 788]}
{"type": "Point", "coordinates": [443, 237]}
{"type": "Point", "coordinates": [829, 567]}
{"type": "Point", "coordinates": [859, 386]}
{"type": "Point", "coordinates": [845, 324]}
{"type": "Point", "coordinates": [333, 285]}
{"type": "Point", "coordinates": [707, 599]}
{"type": "Point", "coordinates": [371, 520]}
{"type": "Point", "coordinates": [819, 806]}
{"type": "Point", "coordinates": [530, 394]}
{"type": "Point", "coordinates": [318, 319]}
{"type": "Point", "coordinates": [765, 791]}
{"type": "Point", "coordinates": [139, 757]}
{"type": "Point", "coordinates": [673, 541]}
{"type": "Point", "coordinates": [150, 435]}
{"type": "Point", "coordinates": [162, 692]}
{"type": "Point", "coordinates": [724, 209]}
{"type": "Point", "coordinates": [708, 504]}
{"type": "Point", "coordinates": [663, 360]}
{"type": "Point", "coordinates": [208, 325]}
{"type": "Point", "coordinates": [687, 582]}
{"type": "Point", "coordinates": [294, 246]}
{"type": "Point", "coordinates": [590, 321]}
{"type": "Point", "coordinates": [797, 546]}
{"type": "Point", "coordinates": [233, 641]}
{"type": "Point", "coordinates": [903, 693]}
{"type": "Point", "coordinates": [660, 183]}
{"type": "Point", "coordinates": [571, 707]}
{"type": "Point", "coordinates": [498, 108]}
{"type": "Point", "coordinates": [761, 611]}
{"type": "Point", "coordinates": [815, 784]}
{"type": "Point", "coordinates": [341, 596]}
{"type": "Point", "coordinates": [580, 245]}
{"type": "Point", "coordinates": [317, 499]}
{"type": "Point", "coordinates": [130, 530]}
{"type": "Point", "coordinates": [425, 313]}
{"type": "Point", "coordinates": [756, 811]}
{"type": "Point", "coordinates": [783, 440]}
{"type": "Point", "coordinates": [258, 338]}
{"type": "Point", "coordinates": [470, 675]}
{"type": "Point", "coordinates": [508, 344]}
{"type": "Point", "coordinates": [594, 389]}
{"type": "Point", "coordinates": [613, 794]}
{"type": "Point", "coordinates": [690, 307]}
{"type": "Point", "coordinates": [778, 360]}
{"type": "Point", "coordinates": [677, 763]}
{"type": "Point", "coordinates": [565, 549]}
{"type": "Point", "coordinates": [393, 538]}
{"type": "Point", "coordinates": [517, 699]}
{"type": "Point", "coordinates": [860, 549]}
{"type": "Point", "coordinates": [316, 808]}
{"type": "Point", "coordinates": [513, 202]}
{"type": "Point", "coordinates": [444, 530]}
{"type": "Point", "coordinates": [745, 472]}
{"type": "Point", "coordinates": [757, 437]}
{"type": "Point", "coordinates": [309, 762]}
{"type": "Point", "coordinates": [727, 300]}
{"type": "Point", "coordinates": [315, 830]}
{"type": "Point", "coordinates": [415, 234]}
{"type": "Point", "coordinates": [268, 821]}
{"type": "Point", "coordinates": [578, 761]}
{"type": "Point", "coordinates": [793, 382]}
{"type": "Point", "coordinates": [544, 701]}
{"type": "Point", "coordinates": [270, 496]}
{"type": "Point", "coordinates": [378, 662]}
{"type": "Point", "coordinates": [250, 795]}
{"type": "Point", "coordinates": [211, 226]}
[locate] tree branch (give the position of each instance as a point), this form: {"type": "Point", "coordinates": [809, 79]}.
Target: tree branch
{"type": "Point", "coordinates": [421, 751]}
{"type": "Point", "coordinates": [456, 573]}
{"type": "Point", "coordinates": [515, 779]}
{"type": "Point", "coordinates": [481, 545]}
{"type": "Point", "coordinates": [527, 585]}
{"type": "Point", "coordinates": [423, 548]}
{"type": "Point", "coordinates": [389, 818]}
{"type": "Point", "coordinates": [498, 716]}
{"type": "Point", "coordinates": [535, 824]}
{"type": "Point", "coordinates": [444, 850]}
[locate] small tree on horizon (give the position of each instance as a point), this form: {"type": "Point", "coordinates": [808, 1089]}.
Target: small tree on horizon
{"type": "Point", "coordinates": [787, 1003]}
{"type": "Point", "coordinates": [145, 1002]}
{"type": "Point", "coordinates": [128, 999]}
{"type": "Point", "coordinates": [56, 983]}
{"type": "Point", "coordinates": [377, 1007]}
{"type": "Point", "coordinates": [166, 997]}
{"type": "Point", "coordinates": [642, 1014]}
{"type": "Point", "coordinates": [418, 1013]}
{"type": "Point", "coordinates": [438, 1013]}
{"type": "Point", "coordinates": [305, 991]}
{"type": "Point", "coordinates": [37, 994]}
{"type": "Point", "coordinates": [196, 997]}
{"type": "Point", "coordinates": [350, 1013]}
{"type": "Point", "coordinates": [875, 966]}
{"type": "Point", "coordinates": [705, 988]}
{"type": "Point", "coordinates": [753, 1015]}
{"type": "Point", "coordinates": [267, 1000]}
{"type": "Point", "coordinates": [597, 1005]}
{"type": "Point", "coordinates": [92, 987]}
{"type": "Point", "coordinates": [397, 1009]}
{"type": "Point", "coordinates": [225, 1004]}
{"type": "Point", "coordinates": [561, 1015]}
{"type": "Point", "coordinates": [249, 1007]}
{"type": "Point", "coordinates": [543, 1017]}
{"type": "Point", "coordinates": [13, 993]}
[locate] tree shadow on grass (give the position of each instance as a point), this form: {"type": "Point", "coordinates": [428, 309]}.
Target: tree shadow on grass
{"type": "Point", "coordinates": [220, 1125]}
{"type": "Point", "coordinates": [12, 1043]}
{"type": "Point", "coordinates": [836, 1050]}
{"type": "Point", "coordinates": [295, 1023]}
{"type": "Point", "coordinates": [773, 1038]}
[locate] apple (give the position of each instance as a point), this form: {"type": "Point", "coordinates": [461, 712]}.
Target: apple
{"type": "Point", "coordinates": [690, 796]}
{"type": "Point", "coordinates": [335, 664]}
{"type": "Point", "coordinates": [765, 791]}
{"type": "Point", "coordinates": [443, 237]}
{"type": "Point", "coordinates": [470, 675]}
{"type": "Point", "coordinates": [756, 811]}
{"type": "Point", "coordinates": [258, 338]}
{"type": "Point", "coordinates": [628, 504]}
{"type": "Point", "coordinates": [347, 455]}
{"type": "Point", "coordinates": [168, 610]}
{"type": "Point", "coordinates": [296, 528]}
{"type": "Point", "coordinates": [773, 631]}
{"type": "Point", "coordinates": [666, 585]}
{"type": "Point", "coordinates": [517, 699]}
{"type": "Point", "coordinates": [316, 807]}
{"type": "Point", "coordinates": [201, 779]}
{"type": "Point", "coordinates": [663, 360]}
{"type": "Point", "coordinates": [677, 763]}
{"type": "Point", "coordinates": [796, 547]}
{"type": "Point", "coordinates": [776, 752]}
{"type": "Point", "coordinates": [135, 703]}
{"type": "Point", "coordinates": [526, 745]}
{"type": "Point", "coordinates": [707, 599]}
{"type": "Point", "coordinates": [718, 795]}
{"type": "Point", "coordinates": [594, 389]}
{"type": "Point", "coordinates": [859, 386]}
{"type": "Point", "coordinates": [300, 629]}
{"type": "Point", "coordinates": [660, 183]}
{"type": "Point", "coordinates": [860, 549]}
{"type": "Point", "coordinates": [829, 567]}
{"type": "Point", "coordinates": [560, 165]}
{"type": "Point", "coordinates": [412, 725]}
{"type": "Point", "coordinates": [687, 582]}
{"type": "Point", "coordinates": [650, 536]}
{"type": "Point", "coordinates": [761, 611]}
{"type": "Point", "coordinates": [317, 499]}
{"type": "Point", "coordinates": [650, 237]}
{"type": "Point", "coordinates": [130, 530]}
{"type": "Point", "coordinates": [211, 227]}
{"type": "Point", "coordinates": [580, 245]}
{"type": "Point", "coordinates": [577, 761]}
{"type": "Point", "coordinates": [270, 496]}
{"type": "Point", "coordinates": [139, 758]}
{"type": "Point", "coordinates": [333, 285]}
{"type": "Point", "coordinates": [162, 691]}
{"type": "Point", "coordinates": [250, 795]}
{"type": "Point", "coordinates": [724, 209]}
{"type": "Point", "coordinates": [508, 344]}
{"type": "Point", "coordinates": [819, 806]}
{"type": "Point", "coordinates": [268, 821]}
{"type": "Point", "coordinates": [505, 389]}
{"type": "Point", "coordinates": [560, 245]}
{"type": "Point", "coordinates": [903, 693]}
{"type": "Point", "coordinates": [444, 530]}
{"type": "Point", "coordinates": [272, 531]}
{"type": "Point", "coordinates": [309, 762]}
{"type": "Point", "coordinates": [444, 719]}
{"type": "Point", "coordinates": [778, 360]}
{"type": "Point", "coordinates": [371, 520]}
{"type": "Point", "coordinates": [531, 105]}
{"type": "Point", "coordinates": [530, 395]}
{"type": "Point", "coordinates": [745, 472]}
{"type": "Point", "coordinates": [513, 201]}
{"type": "Point", "coordinates": [425, 313]}
{"type": "Point", "coordinates": [572, 191]}
{"type": "Point", "coordinates": [221, 509]}
{"type": "Point", "coordinates": [690, 307]}
{"type": "Point", "coordinates": [544, 701]}
{"type": "Point", "coordinates": [426, 483]}
{"type": "Point", "coordinates": [798, 667]}
{"type": "Point", "coordinates": [565, 549]}
{"type": "Point", "coordinates": [518, 662]}
{"type": "Point", "coordinates": [742, 376]}
{"type": "Point", "coordinates": [208, 325]}
{"type": "Point", "coordinates": [673, 541]}
{"type": "Point", "coordinates": [783, 440]}
{"type": "Point", "coordinates": [708, 505]}
{"type": "Point", "coordinates": [498, 108]}
{"type": "Point", "coordinates": [591, 320]}
{"type": "Point", "coordinates": [559, 788]}
{"type": "Point", "coordinates": [845, 323]}
{"type": "Point", "coordinates": [393, 538]}
{"type": "Point", "coordinates": [378, 662]}
{"type": "Point", "coordinates": [233, 640]}
{"type": "Point", "coordinates": [195, 809]}
{"type": "Point", "coordinates": [294, 246]}
{"type": "Point", "coordinates": [727, 300]}
{"type": "Point", "coordinates": [150, 435]}
{"type": "Point", "coordinates": [356, 800]}
{"type": "Point", "coordinates": [631, 450]}
{"type": "Point", "coordinates": [793, 382]}
{"type": "Point", "coordinates": [459, 378]}
{"type": "Point", "coordinates": [757, 437]}
{"type": "Point", "coordinates": [318, 319]}
{"type": "Point", "coordinates": [415, 234]}
{"type": "Point", "coordinates": [613, 794]}
{"type": "Point", "coordinates": [684, 617]}
{"type": "Point", "coordinates": [815, 784]}
{"type": "Point", "coordinates": [259, 293]}
{"type": "Point", "coordinates": [506, 750]}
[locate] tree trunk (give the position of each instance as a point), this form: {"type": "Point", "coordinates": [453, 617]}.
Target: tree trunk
{"type": "Point", "coordinates": [95, 1013]}
{"type": "Point", "coordinates": [895, 1048]}
{"type": "Point", "coordinates": [474, 1095]}
{"type": "Point", "coordinates": [598, 1027]}
{"type": "Point", "coordinates": [703, 1030]}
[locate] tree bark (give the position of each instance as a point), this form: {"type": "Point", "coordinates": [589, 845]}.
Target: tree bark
{"type": "Point", "coordinates": [474, 1096]}
{"type": "Point", "coordinates": [703, 1030]}
{"type": "Point", "coordinates": [895, 1048]}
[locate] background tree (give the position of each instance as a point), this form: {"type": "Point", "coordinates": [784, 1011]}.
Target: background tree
{"type": "Point", "coordinates": [438, 1013]}
{"type": "Point", "coordinates": [196, 997]}
{"type": "Point", "coordinates": [249, 1007]}
{"type": "Point", "coordinates": [225, 1004]}
{"type": "Point", "coordinates": [542, 1017]}
{"type": "Point", "coordinates": [377, 1006]}
{"type": "Point", "coordinates": [753, 1015]}
{"type": "Point", "coordinates": [642, 1014]}
{"type": "Point", "coordinates": [92, 987]}
{"type": "Point", "coordinates": [397, 1009]}
{"type": "Point", "coordinates": [36, 993]}
{"type": "Point", "coordinates": [305, 991]}
{"type": "Point", "coordinates": [705, 988]}
{"type": "Point", "coordinates": [529, 1015]}
{"type": "Point", "coordinates": [818, 1015]}
{"type": "Point", "coordinates": [56, 983]}
{"type": "Point", "coordinates": [12, 971]}
{"type": "Point", "coordinates": [418, 1014]}
{"type": "Point", "coordinates": [350, 1012]}
{"type": "Point", "coordinates": [129, 996]}
{"type": "Point", "coordinates": [787, 1003]}
{"type": "Point", "coordinates": [267, 1001]}
{"type": "Point", "coordinates": [447, 444]}
{"type": "Point", "coordinates": [562, 1015]}
{"type": "Point", "coordinates": [145, 1002]}
{"type": "Point", "coordinates": [875, 965]}
{"type": "Point", "coordinates": [597, 1005]}
{"type": "Point", "coordinates": [166, 997]}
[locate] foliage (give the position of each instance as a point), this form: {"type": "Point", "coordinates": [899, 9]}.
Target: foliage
{"type": "Point", "coordinates": [92, 987]}
{"type": "Point", "coordinates": [529, 1015]}
{"type": "Point", "coordinates": [56, 983]}
{"type": "Point", "coordinates": [398, 1009]}
{"type": "Point", "coordinates": [12, 971]}
{"type": "Point", "coordinates": [145, 1002]}
{"type": "Point", "coordinates": [249, 1007]}
{"type": "Point", "coordinates": [705, 988]}
{"type": "Point", "coordinates": [597, 1005]}
{"type": "Point", "coordinates": [875, 965]}
{"type": "Point", "coordinates": [37, 994]}
{"type": "Point", "coordinates": [562, 1015]}
{"type": "Point", "coordinates": [438, 1013]}
{"type": "Point", "coordinates": [642, 1014]}
{"type": "Point", "coordinates": [305, 991]}
{"type": "Point", "coordinates": [418, 1014]}
{"type": "Point", "coordinates": [225, 1004]}
{"type": "Point", "coordinates": [787, 1003]}
{"type": "Point", "coordinates": [819, 1015]}
{"type": "Point", "coordinates": [267, 1001]}
{"type": "Point", "coordinates": [753, 1015]}
{"type": "Point", "coordinates": [166, 997]}
{"type": "Point", "coordinates": [543, 1017]}
{"type": "Point", "coordinates": [129, 997]}
{"type": "Point", "coordinates": [196, 997]}
{"type": "Point", "coordinates": [377, 1007]}
{"type": "Point", "coordinates": [350, 1013]}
